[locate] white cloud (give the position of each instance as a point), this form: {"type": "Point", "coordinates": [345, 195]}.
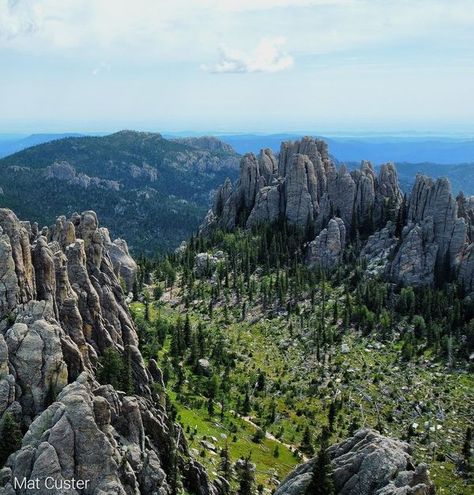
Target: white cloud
{"type": "Point", "coordinates": [160, 32]}
{"type": "Point", "coordinates": [102, 67]}
{"type": "Point", "coordinates": [268, 56]}
{"type": "Point", "coordinates": [16, 18]}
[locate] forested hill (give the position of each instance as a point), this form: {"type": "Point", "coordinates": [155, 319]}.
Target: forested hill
{"type": "Point", "coordinates": [149, 190]}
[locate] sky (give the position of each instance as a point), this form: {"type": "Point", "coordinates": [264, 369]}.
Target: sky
{"type": "Point", "coordinates": [237, 65]}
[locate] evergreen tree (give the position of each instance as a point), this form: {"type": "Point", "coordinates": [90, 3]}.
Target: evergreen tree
{"type": "Point", "coordinates": [10, 437]}
{"type": "Point", "coordinates": [225, 465]}
{"type": "Point", "coordinates": [111, 368]}
{"type": "Point", "coordinates": [246, 404]}
{"type": "Point", "coordinates": [321, 482]}
{"type": "Point", "coordinates": [187, 331]}
{"type": "Point", "coordinates": [127, 374]}
{"type": "Point", "coordinates": [466, 450]}
{"type": "Point", "coordinates": [307, 442]}
{"type": "Point", "coordinates": [246, 477]}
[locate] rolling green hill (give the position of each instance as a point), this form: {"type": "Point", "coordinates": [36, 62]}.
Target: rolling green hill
{"type": "Point", "coordinates": [147, 189]}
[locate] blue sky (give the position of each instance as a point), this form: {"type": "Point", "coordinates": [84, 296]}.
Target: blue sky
{"type": "Point", "coordinates": [237, 65]}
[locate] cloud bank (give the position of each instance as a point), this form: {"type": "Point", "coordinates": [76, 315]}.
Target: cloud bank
{"type": "Point", "coordinates": [268, 56]}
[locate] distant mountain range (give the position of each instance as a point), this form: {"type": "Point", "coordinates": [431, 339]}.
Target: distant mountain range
{"type": "Point", "coordinates": [10, 144]}
{"type": "Point", "coordinates": [154, 191]}
{"type": "Point", "coordinates": [377, 149]}
{"type": "Point", "coordinates": [147, 189]}
{"type": "Point", "coordinates": [399, 149]}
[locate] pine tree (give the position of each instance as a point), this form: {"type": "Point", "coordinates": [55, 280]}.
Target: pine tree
{"type": "Point", "coordinates": [306, 442]}
{"type": "Point", "coordinates": [246, 404]}
{"type": "Point", "coordinates": [111, 368]}
{"type": "Point", "coordinates": [466, 450]}
{"type": "Point", "coordinates": [177, 343]}
{"type": "Point", "coordinates": [127, 374]}
{"type": "Point", "coordinates": [321, 482]}
{"type": "Point", "coordinates": [147, 308]}
{"type": "Point", "coordinates": [210, 407]}
{"type": "Point", "coordinates": [187, 331]}
{"type": "Point", "coordinates": [10, 437]}
{"type": "Point", "coordinates": [246, 477]}
{"type": "Point", "coordinates": [225, 465]}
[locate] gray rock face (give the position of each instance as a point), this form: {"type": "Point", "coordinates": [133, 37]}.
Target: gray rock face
{"type": "Point", "coordinates": [124, 265]}
{"type": "Point", "coordinates": [366, 464]}
{"type": "Point", "coordinates": [20, 253]}
{"type": "Point", "coordinates": [301, 193]}
{"type": "Point", "coordinates": [327, 249]}
{"type": "Point", "coordinates": [64, 171]}
{"type": "Point", "coordinates": [433, 200]}
{"type": "Point", "coordinates": [35, 355]}
{"type": "Point", "coordinates": [61, 307]}
{"type": "Point", "coordinates": [364, 201]}
{"type": "Point", "coordinates": [415, 261]}
{"type": "Point", "coordinates": [388, 195]}
{"type": "Point", "coordinates": [427, 234]}
{"type": "Point", "coordinates": [339, 198]}
{"type": "Point", "coordinates": [9, 289]}
{"type": "Point", "coordinates": [267, 206]}
{"type": "Point", "coordinates": [248, 181]}
{"type": "Point", "coordinates": [209, 143]}
{"type": "Point", "coordinates": [268, 165]}
{"type": "Point", "coordinates": [378, 250]}
{"type": "Point", "coordinates": [204, 264]}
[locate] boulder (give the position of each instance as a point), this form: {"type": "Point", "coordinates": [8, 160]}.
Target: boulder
{"type": "Point", "coordinates": [367, 464]}
{"type": "Point", "coordinates": [204, 264]}
{"type": "Point", "coordinates": [327, 249]}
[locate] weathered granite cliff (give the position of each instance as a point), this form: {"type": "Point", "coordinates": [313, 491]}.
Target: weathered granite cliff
{"type": "Point", "coordinates": [366, 464]}
{"type": "Point", "coordinates": [61, 310]}
{"type": "Point", "coordinates": [417, 240]}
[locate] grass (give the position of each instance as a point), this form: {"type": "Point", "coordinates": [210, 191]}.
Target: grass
{"type": "Point", "coordinates": [375, 387]}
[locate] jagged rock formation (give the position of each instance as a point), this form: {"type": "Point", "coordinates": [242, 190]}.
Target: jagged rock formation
{"type": "Point", "coordinates": [366, 464]}
{"type": "Point", "coordinates": [61, 308]}
{"type": "Point", "coordinates": [64, 171]}
{"type": "Point", "coordinates": [327, 249]}
{"type": "Point", "coordinates": [420, 240]}
{"type": "Point", "coordinates": [305, 188]}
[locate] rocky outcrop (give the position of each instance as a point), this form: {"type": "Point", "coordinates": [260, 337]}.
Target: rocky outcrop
{"type": "Point", "coordinates": [64, 171]}
{"type": "Point", "coordinates": [301, 195]}
{"type": "Point", "coordinates": [415, 261]}
{"type": "Point", "coordinates": [204, 264]}
{"type": "Point", "coordinates": [378, 250]}
{"type": "Point", "coordinates": [388, 195]}
{"type": "Point", "coordinates": [339, 198]}
{"type": "Point", "coordinates": [367, 464]}
{"type": "Point", "coordinates": [267, 206]}
{"type": "Point", "coordinates": [209, 143]}
{"type": "Point", "coordinates": [61, 308]}
{"type": "Point", "coordinates": [124, 265]}
{"type": "Point", "coordinates": [432, 201]}
{"type": "Point", "coordinates": [327, 249]}
{"type": "Point", "coordinates": [304, 187]}
{"type": "Point", "coordinates": [419, 240]}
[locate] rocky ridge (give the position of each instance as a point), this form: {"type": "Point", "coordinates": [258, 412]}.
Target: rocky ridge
{"type": "Point", "coordinates": [145, 188]}
{"type": "Point", "coordinates": [412, 241]}
{"type": "Point", "coordinates": [62, 309]}
{"type": "Point", "coordinates": [366, 464]}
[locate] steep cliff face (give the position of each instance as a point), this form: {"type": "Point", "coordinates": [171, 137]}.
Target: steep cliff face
{"type": "Point", "coordinates": [61, 309]}
{"type": "Point", "coordinates": [327, 249]}
{"type": "Point", "coordinates": [366, 464]}
{"type": "Point", "coordinates": [417, 240]}
{"type": "Point", "coordinates": [305, 188]}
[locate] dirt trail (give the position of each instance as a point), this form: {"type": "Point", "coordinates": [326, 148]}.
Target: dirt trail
{"type": "Point", "coordinates": [269, 436]}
